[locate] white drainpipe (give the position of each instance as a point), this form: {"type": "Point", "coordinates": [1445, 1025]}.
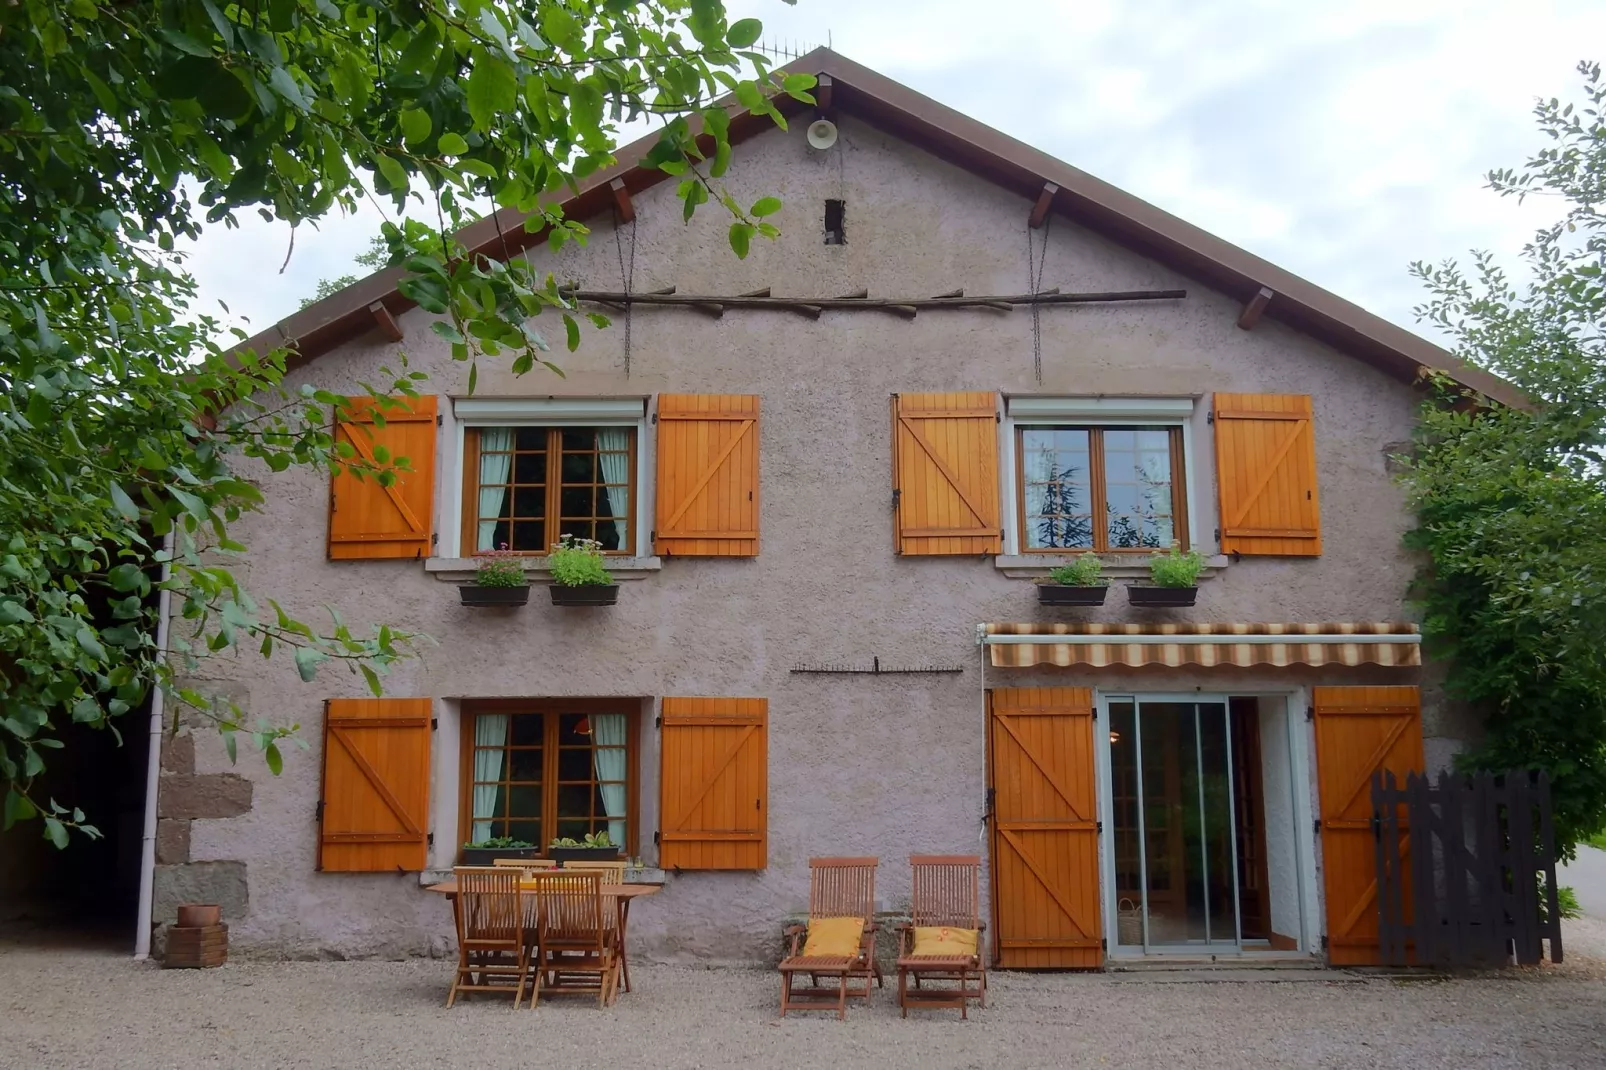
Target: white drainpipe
{"type": "Point", "coordinates": [153, 767]}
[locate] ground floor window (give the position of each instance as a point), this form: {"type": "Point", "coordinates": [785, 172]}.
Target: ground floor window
{"type": "Point", "coordinates": [539, 771]}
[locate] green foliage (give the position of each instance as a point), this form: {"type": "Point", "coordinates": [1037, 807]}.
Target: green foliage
{"type": "Point", "coordinates": [500, 569]}
{"type": "Point", "coordinates": [127, 127]}
{"type": "Point", "coordinates": [577, 563]}
{"type": "Point", "coordinates": [1086, 571]}
{"type": "Point", "coordinates": [499, 843]}
{"type": "Point", "coordinates": [593, 839]}
{"type": "Point", "coordinates": [1175, 568]}
{"type": "Point", "coordinates": [392, 245]}
{"type": "Point", "coordinates": [1510, 504]}
{"type": "Point", "coordinates": [1596, 839]}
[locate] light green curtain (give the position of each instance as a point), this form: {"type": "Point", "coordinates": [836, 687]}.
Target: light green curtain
{"type": "Point", "coordinates": [616, 470]}
{"type": "Point", "coordinates": [608, 751]}
{"type": "Point", "coordinates": [494, 469]}
{"type": "Point", "coordinates": [490, 736]}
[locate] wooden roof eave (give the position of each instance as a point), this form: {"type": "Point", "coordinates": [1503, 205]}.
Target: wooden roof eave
{"type": "Point", "coordinates": [982, 150]}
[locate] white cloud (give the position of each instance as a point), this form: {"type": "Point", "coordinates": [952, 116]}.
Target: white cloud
{"type": "Point", "coordinates": [1338, 139]}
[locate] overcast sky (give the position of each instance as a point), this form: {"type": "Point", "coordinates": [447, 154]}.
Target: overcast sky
{"type": "Point", "coordinates": [1340, 139]}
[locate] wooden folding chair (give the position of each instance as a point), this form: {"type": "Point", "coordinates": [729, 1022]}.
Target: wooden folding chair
{"type": "Point", "coordinates": [611, 873]}
{"type": "Point", "coordinates": [579, 935]}
{"type": "Point", "coordinates": [838, 888]}
{"type": "Point", "coordinates": [525, 863]}
{"type": "Point", "coordinates": [492, 944]}
{"type": "Point", "coordinates": [946, 893]}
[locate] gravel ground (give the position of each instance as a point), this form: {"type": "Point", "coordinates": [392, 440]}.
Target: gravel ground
{"type": "Point", "coordinates": [71, 1007]}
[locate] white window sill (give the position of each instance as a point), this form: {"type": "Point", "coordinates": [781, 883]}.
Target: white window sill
{"type": "Point", "coordinates": [1116, 566]}
{"type": "Point", "coordinates": [645, 875]}
{"type": "Point", "coordinates": [462, 569]}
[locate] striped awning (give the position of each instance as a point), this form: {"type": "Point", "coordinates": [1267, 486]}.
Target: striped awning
{"type": "Point", "coordinates": [1021, 646]}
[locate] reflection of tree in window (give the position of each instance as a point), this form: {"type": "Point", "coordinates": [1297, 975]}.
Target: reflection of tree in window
{"type": "Point", "coordinates": [1138, 493]}
{"type": "Point", "coordinates": [1058, 498]}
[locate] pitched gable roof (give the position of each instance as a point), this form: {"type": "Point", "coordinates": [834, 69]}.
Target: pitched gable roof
{"type": "Point", "coordinates": [967, 143]}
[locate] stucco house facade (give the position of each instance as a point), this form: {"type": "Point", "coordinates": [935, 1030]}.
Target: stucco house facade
{"type": "Point", "coordinates": [827, 527]}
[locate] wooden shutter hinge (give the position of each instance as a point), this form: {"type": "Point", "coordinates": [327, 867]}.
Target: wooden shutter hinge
{"type": "Point", "coordinates": [434, 538]}
{"type": "Point", "coordinates": [657, 838]}
{"type": "Point", "coordinates": [317, 812]}
{"type": "Point", "coordinates": [439, 420]}
{"type": "Point", "coordinates": [655, 417]}
{"type": "Point", "coordinates": [1310, 713]}
{"type": "Point", "coordinates": [1104, 943]}
{"type": "Point", "coordinates": [434, 723]}
{"type": "Point", "coordinates": [430, 839]}
{"type": "Point", "coordinates": [897, 496]}
{"type": "Point", "coordinates": [1324, 941]}
{"type": "Point", "coordinates": [1218, 535]}
{"type": "Point", "coordinates": [1099, 827]}
{"type": "Point", "coordinates": [1316, 826]}
{"type": "Point", "coordinates": [1210, 416]}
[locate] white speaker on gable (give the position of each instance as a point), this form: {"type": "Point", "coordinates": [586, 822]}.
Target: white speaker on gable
{"type": "Point", "coordinates": [822, 134]}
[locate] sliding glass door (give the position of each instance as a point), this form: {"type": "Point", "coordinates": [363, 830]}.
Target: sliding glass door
{"type": "Point", "coordinates": [1173, 801]}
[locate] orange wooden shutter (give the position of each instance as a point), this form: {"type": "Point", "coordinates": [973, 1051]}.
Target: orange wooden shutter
{"type": "Point", "coordinates": [1045, 845]}
{"type": "Point", "coordinates": [367, 520]}
{"type": "Point", "coordinates": [714, 784]}
{"type": "Point", "coordinates": [1266, 475]}
{"type": "Point", "coordinates": [1360, 731]}
{"type": "Point", "coordinates": [945, 473]}
{"type": "Point", "coordinates": [707, 475]}
{"type": "Point", "coordinates": [374, 811]}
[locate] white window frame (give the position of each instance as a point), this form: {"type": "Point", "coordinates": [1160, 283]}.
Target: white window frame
{"type": "Point", "coordinates": [1038, 411]}
{"type": "Point", "coordinates": [552, 412]}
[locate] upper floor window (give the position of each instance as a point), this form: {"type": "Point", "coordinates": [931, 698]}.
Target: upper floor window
{"type": "Point", "coordinates": [525, 486]}
{"type": "Point", "coordinates": [1100, 488]}
{"type": "Point", "coordinates": [1103, 474]}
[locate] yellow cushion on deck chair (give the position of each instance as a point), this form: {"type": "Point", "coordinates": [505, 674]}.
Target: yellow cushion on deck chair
{"type": "Point", "coordinates": [834, 937]}
{"type": "Point", "coordinates": [945, 942]}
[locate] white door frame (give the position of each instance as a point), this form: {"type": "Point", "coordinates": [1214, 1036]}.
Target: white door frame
{"type": "Point", "coordinates": [1304, 839]}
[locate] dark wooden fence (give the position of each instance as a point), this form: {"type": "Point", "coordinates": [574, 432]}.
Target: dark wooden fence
{"type": "Point", "coordinates": [1466, 869]}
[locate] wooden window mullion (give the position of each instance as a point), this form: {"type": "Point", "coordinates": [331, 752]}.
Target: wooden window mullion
{"type": "Point", "coordinates": [1179, 495]}
{"type": "Point", "coordinates": [554, 485]}
{"type": "Point", "coordinates": [1096, 485]}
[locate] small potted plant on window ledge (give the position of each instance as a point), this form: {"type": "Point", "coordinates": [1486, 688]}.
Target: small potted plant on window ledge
{"type": "Point", "coordinates": [499, 581]}
{"type": "Point", "coordinates": [578, 575]}
{"type": "Point", "coordinates": [486, 852]}
{"type": "Point", "coordinates": [1176, 580]}
{"type": "Point", "coordinates": [595, 847]}
{"type": "Point", "coordinates": [1079, 583]}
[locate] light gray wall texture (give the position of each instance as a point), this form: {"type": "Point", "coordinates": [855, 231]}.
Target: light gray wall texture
{"type": "Point", "coordinates": [858, 765]}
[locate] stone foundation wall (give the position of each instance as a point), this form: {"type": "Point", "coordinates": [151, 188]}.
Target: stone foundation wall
{"type": "Point", "coordinates": [183, 796]}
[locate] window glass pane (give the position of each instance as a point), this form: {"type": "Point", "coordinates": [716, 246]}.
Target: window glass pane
{"type": "Point", "coordinates": [528, 536]}
{"type": "Point", "coordinates": [530, 468]}
{"type": "Point", "coordinates": [525, 765]}
{"type": "Point", "coordinates": [527, 730]}
{"type": "Point", "coordinates": [579, 438]}
{"type": "Point", "coordinates": [579, 468]}
{"type": "Point", "coordinates": [530, 438]}
{"type": "Point", "coordinates": [524, 800]}
{"type": "Point", "coordinates": [576, 502]}
{"type": "Point", "coordinates": [1137, 488]}
{"type": "Point", "coordinates": [1057, 488]}
{"type": "Point", "coordinates": [529, 502]}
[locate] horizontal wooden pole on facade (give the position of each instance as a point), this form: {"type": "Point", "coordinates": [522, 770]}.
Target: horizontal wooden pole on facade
{"type": "Point", "coordinates": [905, 306]}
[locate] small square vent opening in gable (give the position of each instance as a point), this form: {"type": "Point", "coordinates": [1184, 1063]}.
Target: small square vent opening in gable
{"type": "Point", "coordinates": [835, 214]}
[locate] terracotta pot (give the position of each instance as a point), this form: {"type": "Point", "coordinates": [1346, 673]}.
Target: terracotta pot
{"type": "Point", "coordinates": [195, 915]}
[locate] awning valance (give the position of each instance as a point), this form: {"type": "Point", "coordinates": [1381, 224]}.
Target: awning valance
{"type": "Point", "coordinates": [1245, 645]}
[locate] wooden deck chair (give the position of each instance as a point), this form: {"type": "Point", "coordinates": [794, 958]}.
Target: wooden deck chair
{"type": "Point", "coordinates": [839, 888]}
{"type": "Point", "coordinates": [611, 872]}
{"type": "Point", "coordinates": [579, 937]}
{"type": "Point", "coordinates": [942, 941]}
{"type": "Point", "coordinates": [493, 952]}
{"type": "Point", "coordinates": [525, 863]}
